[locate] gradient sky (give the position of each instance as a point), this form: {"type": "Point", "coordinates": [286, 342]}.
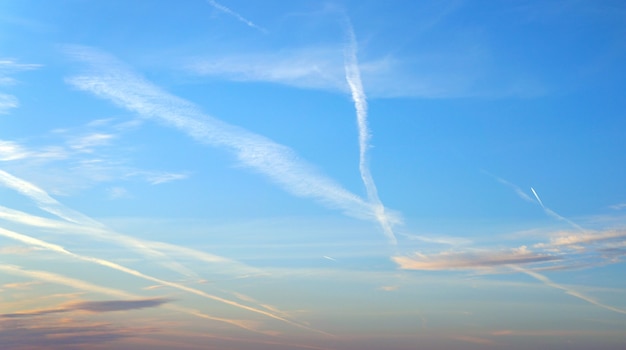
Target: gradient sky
{"type": "Point", "coordinates": [312, 174]}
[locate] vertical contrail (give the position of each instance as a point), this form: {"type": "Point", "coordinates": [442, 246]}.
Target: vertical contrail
{"type": "Point", "coordinates": [353, 77]}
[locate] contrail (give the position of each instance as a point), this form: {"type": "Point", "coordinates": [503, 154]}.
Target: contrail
{"type": "Point", "coordinates": [567, 290]}
{"type": "Point", "coordinates": [90, 287]}
{"type": "Point", "coordinates": [102, 262]}
{"type": "Point", "coordinates": [147, 248]}
{"type": "Point", "coordinates": [552, 213]}
{"type": "Point", "coordinates": [537, 196]}
{"type": "Point", "coordinates": [239, 17]}
{"type": "Point", "coordinates": [515, 188]}
{"type": "Point", "coordinates": [353, 77]}
{"type": "Point", "coordinates": [44, 201]}
{"type": "Point", "coordinates": [527, 198]}
{"type": "Point", "coordinates": [111, 80]}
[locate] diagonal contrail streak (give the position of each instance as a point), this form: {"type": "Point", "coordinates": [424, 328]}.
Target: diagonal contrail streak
{"type": "Point", "coordinates": [567, 290]}
{"type": "Point", "coordinates": [43, 200]}
{"type": "Point", "coordinates": [106, 263]}
{"type": "Point", "coordinates": [239, 17]}
{"type": "Point", "coordinates": [86, 286]}
{"type": "Point", "coordinates": [147, 248]}
{"type": "Point", "coordinates": [353, 77]}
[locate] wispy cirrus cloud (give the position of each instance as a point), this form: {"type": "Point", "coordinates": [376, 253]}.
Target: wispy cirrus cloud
{"type": "Point", "coordinates": [110, 79]}
{"type": "Point", "coordinates": [9, 67]}
{"type": "Point", "coordinates": [458, 73]}
{"type": "Point", "coordinates": [81, 157]}
{"type": "Point", "coordinates": [619, 206]}
{"type": "Point", "coordinates": [310, 68]}
{"type": "Point", "coordinates": [7, 102]}
{"type": "Point", "coordinates": [62, 335]}
{"type": "Point", "coordinates": [10, 150]}
{"type": "Point", "coordinates": [44, 200]}
{"type": "Point", "coordinates": [582, 238]}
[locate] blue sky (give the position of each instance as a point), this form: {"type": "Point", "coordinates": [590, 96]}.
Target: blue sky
{"type": "Point", "coordinates": [312, 174]}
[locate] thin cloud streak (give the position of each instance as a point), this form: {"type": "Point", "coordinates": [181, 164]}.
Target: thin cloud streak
{"type": "Point", "coordinates": [239, 17]}
{"type": "Point", "coordinates": [94, 306]}
{"type": "Point", "coordinates": [100, 231]}
{"type": "Point", "coordinates": [515, 188]}
{"type": "Point", "coordinates": [8, 67]}
{"type": "Point", "coordinates": [109, 79]}
{"type": "Point", "coordinates": [147, 248]}
{"type": "Point", "coordinates": [567, 290]}
{"type": "Point", "coordinates": [470, 260]}
{"type": "Point", "coordinates": [537, 200]}
{"type": "Point", "coordinates": [102, 262]}
{"type": "Point", "coordinates": [353, 77]}
{"type": "Point", "coordinates": [537, 196]}
{"type": "Point", "coordinates": [553, 214]}
{"type": "Point", "coordinates": [43, 200]}
{"type": "Point", "coordinates": [90, 287]}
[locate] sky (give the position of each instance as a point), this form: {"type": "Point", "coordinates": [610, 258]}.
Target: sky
{"type": "Point", "coordinates": [334, 174]}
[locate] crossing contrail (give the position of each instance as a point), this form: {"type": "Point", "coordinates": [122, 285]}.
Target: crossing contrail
{"type": "Point", "coordinates": [353, 77]}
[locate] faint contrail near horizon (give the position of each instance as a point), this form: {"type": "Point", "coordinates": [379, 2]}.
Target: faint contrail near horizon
{"type": "Point", "coordinates": [353, 77]}
{"type": "Point", "coordinates": [567, 290]}
{"type": "Point", "coordinates": [239, 17]}
{"type": "Point", "coordinates": [106, 263]}
{"type": "Point", "coordinates": [150, 249]}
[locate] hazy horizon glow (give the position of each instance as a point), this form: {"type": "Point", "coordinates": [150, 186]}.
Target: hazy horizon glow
{"type": "Point", "coordinates": [302, 175]}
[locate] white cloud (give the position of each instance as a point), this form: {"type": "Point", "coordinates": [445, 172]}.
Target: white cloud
{"type": "Point", "coordinates": [457, 72]}
{"type": "Point", "coordinates": [87, 143]}
{"type": "Point", "coordinates": [11, 151]}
